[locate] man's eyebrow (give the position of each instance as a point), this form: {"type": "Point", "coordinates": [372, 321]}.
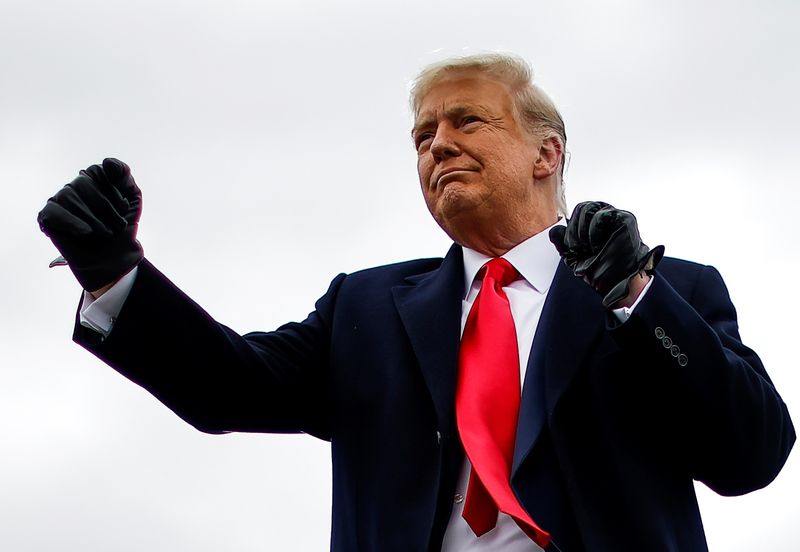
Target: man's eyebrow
{"type": "Point", "coordinates": [424, 122]}
{"type": "Point", "coordinates": [457, 110]}
{"type": "Point", "coordinates": [453, 111]}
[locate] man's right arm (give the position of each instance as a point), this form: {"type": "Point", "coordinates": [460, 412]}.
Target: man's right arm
{"type": "Point", "coordinates": [208, 374]}
{"type": "Point", "coordinates": [211, 376]}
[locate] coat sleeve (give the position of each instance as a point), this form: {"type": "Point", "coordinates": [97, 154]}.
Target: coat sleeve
{"type": "Point", "coordinates": [734, 430]}
{"type": "Point", "coordinates": [212, 377]}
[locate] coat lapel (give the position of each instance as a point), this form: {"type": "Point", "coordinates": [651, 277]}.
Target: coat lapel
{"type": "Point", "coordinates": [430, 308]}
{"type": "Point", "coordinates": [571, 323]}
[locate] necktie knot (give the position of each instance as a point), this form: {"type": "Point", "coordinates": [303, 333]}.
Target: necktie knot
{"type": "Point", "coordinates": [501, 271]}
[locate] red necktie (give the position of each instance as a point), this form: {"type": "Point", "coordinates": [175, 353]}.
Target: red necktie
{"type": "Point", "coordinates": [487, 405]}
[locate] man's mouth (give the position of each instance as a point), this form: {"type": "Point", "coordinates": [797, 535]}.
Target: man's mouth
{"type": "Point", "coordinates": [448, 175]}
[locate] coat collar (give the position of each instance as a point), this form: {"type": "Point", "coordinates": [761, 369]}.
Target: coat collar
{"type": "Point", "coordinates": [572, 321]}
{"type": "Point", "coordinates": [430, 308]}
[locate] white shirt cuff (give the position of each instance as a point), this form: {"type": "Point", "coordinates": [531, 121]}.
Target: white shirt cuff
{"type": "Point", "coordinates": [623, 313]}
{"type": "Point", "coordinates": [101, 313]}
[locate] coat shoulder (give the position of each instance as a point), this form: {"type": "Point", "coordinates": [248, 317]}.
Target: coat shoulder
{"type": "Point", "coordinates": [394, 273]}
{"type": "Point", "coordinates": [683, 275]}
{"type": "Point", "coordinates": [673, 264]}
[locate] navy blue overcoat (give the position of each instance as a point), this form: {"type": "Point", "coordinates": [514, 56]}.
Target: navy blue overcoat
{"type": "Point", "coordinates": [617, 420]}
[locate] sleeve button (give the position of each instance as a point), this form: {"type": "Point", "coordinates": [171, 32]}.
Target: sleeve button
{"type": "Point", "coordinates": [667, 342]}
{"type": "Point", "coordinates": [683, 360]}
{"type": "Point", "coordinates": [675, 351]}
{"type": "Point", "coordinates": [660, 333]}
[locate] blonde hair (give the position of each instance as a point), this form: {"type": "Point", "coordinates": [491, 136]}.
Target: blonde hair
{"type": "Point", "coordinates": [533, 108]}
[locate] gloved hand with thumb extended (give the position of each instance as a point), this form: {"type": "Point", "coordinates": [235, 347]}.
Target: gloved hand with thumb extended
{"type": "Point", "coordinates": [93, 222]}
{"type": "Point", "coordinates": [601, 244]}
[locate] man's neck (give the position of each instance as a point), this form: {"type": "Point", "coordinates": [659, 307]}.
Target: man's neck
{"type": "Point", "coordinates": [496, 241]}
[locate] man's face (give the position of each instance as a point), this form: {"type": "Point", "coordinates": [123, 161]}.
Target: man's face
{"type": "Point", "coordinates": [475, 162]}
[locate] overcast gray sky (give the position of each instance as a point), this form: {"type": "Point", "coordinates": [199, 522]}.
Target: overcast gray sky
{"type": "Point", "coordinates": [271, 134]}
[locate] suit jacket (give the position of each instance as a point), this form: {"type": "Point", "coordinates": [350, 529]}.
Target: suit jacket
{"type": "Point", "coordinates": [616, 419]}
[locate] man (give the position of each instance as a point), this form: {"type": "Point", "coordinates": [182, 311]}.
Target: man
{"type": "Point", "coordinates": [490, 400]}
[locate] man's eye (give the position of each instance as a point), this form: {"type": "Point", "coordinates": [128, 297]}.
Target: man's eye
{"type": "Point", "coordinates": [469, 119]}
{"type": "Point", "coordinates": [422, 138]}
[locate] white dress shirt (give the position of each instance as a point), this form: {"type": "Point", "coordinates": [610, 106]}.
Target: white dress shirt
{"type": "Point", "coordinates": [536, 259]}
{"type": "Point", "coordinates": [99, 314]}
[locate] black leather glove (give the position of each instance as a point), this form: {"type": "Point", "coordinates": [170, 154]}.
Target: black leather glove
{"type": "Point", "coordinates": [601, 244]}
{"type": "Point", "coordinates": [93, 222]}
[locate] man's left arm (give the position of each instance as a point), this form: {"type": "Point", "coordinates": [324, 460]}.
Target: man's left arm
{"type": "Point", "coordinates": [735, 427]}
{"type": "Point", "coordinates": [731, 428]}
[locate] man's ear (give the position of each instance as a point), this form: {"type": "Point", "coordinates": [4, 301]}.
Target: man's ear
{"type": "Point", "coordinates": [549, 160]}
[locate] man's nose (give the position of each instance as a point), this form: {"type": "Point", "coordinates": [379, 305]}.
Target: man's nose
{"type": "Point", "coordinates": [444, 144]}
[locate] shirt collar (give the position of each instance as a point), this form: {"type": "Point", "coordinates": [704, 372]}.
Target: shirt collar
{"type": "Point", "coordinates": [536, 259]}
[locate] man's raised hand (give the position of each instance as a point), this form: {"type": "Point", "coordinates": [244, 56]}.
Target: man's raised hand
{"type": "Point", "coordinates": [93, 221]}
{"type": "Point", "coordinates": [601, 244]}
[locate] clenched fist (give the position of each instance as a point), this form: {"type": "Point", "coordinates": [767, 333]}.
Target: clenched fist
{"type": "Point", "coordinates": [601, 244]}
{"type": "Point", "coordinates": [93, 222]}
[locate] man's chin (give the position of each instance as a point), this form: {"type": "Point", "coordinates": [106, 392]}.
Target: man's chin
{"type": "Point", "coordinates": [456, 209]}
{"type": "Point", "coordinates": [456, 196]}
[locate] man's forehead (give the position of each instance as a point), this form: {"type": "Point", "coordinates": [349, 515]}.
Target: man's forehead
{"type": "Point", "coordinates": [458, 94]}
{"type": "Point", "coordinates": [450, 109]}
